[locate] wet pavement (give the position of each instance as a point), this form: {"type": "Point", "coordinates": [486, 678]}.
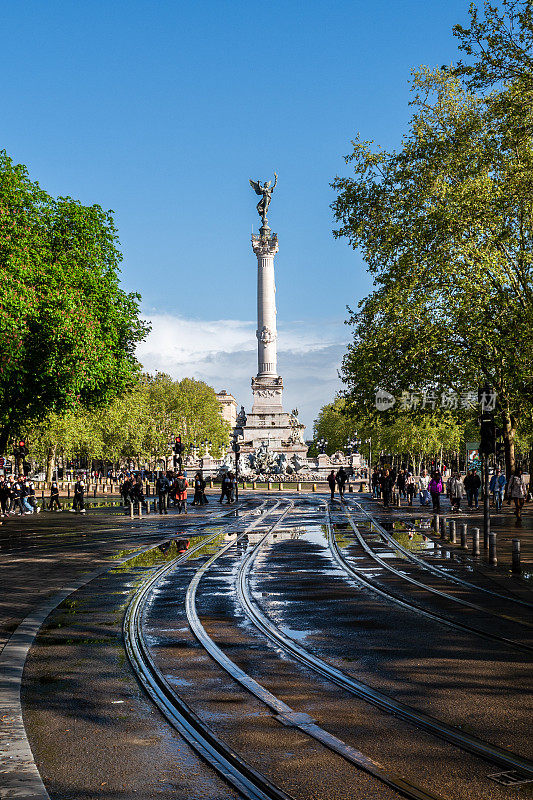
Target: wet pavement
{"type": "Point", "coordinates": [95, 733]}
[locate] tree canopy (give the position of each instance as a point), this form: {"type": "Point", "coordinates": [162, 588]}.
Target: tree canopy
{"type": "Point", "coordinates": [445, 225]}
{"type": "Point", "coordinates": [67, 330]}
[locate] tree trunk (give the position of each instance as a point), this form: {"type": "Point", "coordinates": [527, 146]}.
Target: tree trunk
{"type": "Point", "coordinates": [509, 432]}
{"type": "Point", "coordinates": [4, 440]}
{"type": "Point", "coordinates": [50, 462]}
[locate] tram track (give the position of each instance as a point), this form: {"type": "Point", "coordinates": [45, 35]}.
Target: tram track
{"type": "Point", "coordinates": [440, 573]}
{"type": "Point", "coordinates": [223, 759]}
{"type": "Point", "coordinates": [18, 763]}
{"type": "Point", "coordinates": [453, 735]}
{"type": "Point", "coordinates": [409, 604]}
{"type": "Point", "coordinates": [283, 712]}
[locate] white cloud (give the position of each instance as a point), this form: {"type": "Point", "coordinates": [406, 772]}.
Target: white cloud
{"type": "Point", "coordinates": [223, 353]}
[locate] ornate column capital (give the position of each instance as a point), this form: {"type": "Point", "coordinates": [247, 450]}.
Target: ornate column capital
{"type": "Point", "coordinates": [265, 243]}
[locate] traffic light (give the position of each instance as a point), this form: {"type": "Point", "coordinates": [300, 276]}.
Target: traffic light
{"type": "Point", "coordinates": [22, 451]}
{"type": "Point", "coordinates": [178, 447]}
{"type": "Point", "coordinates": [488, 434]}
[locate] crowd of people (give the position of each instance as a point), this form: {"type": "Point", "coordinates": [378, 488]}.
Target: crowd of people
{"type": "Point", "coordinates": [430, 487]}
{"type": "Point", "coordinates": [171, 489]}
{"type": "Point", "coordinates": [17, 496]}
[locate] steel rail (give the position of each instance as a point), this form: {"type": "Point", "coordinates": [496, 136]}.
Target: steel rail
{"type": "Point", "coordinates": [440, 572]}
{"type": "Point", "coordinates": [21, 769]}
{"type": "Point", "coordinates": [414, 606]}
{"type": "Point", "coordinates": [455, 736]}
{"type": "Point", "coordinates": [425, 586]}
{"type": "Point", "coordinates": [284, 713]}
{"type": "Point", "coordinates": [234, 770]}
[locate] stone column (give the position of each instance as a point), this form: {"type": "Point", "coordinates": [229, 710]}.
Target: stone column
{"type": "Point", "coordinates": [265, 247]}
{"type": "Point", "coordinates": [267, 386]}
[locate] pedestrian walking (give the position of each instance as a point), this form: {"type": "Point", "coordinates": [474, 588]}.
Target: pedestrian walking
{"type": "Point", "coordinates": [230, 486]}
{"type": "Point", "coordinates": [517, 491]}
{"type": "Point", "coordinates": [497, 486]}
{"type": "Point", "coordinates": [54, 496]}
{"type": "Point", "coordinates": [375, 483]}
{"type": "Point", "coordinates": [137, 494]}
{"type": "Point", "coordinates": [456, 491]}
{"type": "Point", "coordinates": [410, 488]}
{"type": "Point", "coordinates": [79, 496]}
{"type": "Point", "coordinates": [423, 489]}
{"type": "Point", "coordinates": [4, 497]}
{"type": "Point", "coordinates": [30, 497]}
{"type": "Point", "coordinates": [199, 490]}
{"type": "Point", "coordinates": [162, 487]}
{"type": "Point", "coordinates": [332, 481]}
{"type": "Point", "coordinates": [436, 489]}
{"type": "Point", "coordinates": [401, 481]}
{"type": "Point", "coordinates": [386, 483]}
{"type": "Point", "coordinates": [125, 489]}
{"type": "Point", "coordinates": [342, 478]}
{"type": "Point", "coordinates": [16, 496]}
{"type": "Point", "coordinates": [472, 484]}
{"type": "Point", "coordinates": [181, 492]}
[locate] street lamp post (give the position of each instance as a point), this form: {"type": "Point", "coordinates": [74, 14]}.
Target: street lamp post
{"type": "Point", "coordinates": [237, 450]}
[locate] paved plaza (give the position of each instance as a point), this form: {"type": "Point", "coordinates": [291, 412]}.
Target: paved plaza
{"type": "Point", "coordinates": [337, 650]}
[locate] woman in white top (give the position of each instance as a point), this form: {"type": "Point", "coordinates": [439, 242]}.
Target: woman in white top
{"type": "Point", "coordinates": [423, 491]}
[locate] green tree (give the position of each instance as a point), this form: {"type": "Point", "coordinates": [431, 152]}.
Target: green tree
{"type": "Point", "coordinates": [498, 45]}
{"type": "Point", "coordinates": [67, 330]}
{"type": "Point", "coordinates": [446, 227]}
{"type": "Point", "coordinates": [335, 426]}
{"type": "Point", "coordinates": [188, 407]}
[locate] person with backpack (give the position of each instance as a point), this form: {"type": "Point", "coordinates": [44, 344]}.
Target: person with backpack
{"type": "Point", "coordinates": [162, 487]}
{"type": "Point", "coordinates": [181, 487]}
{"type": "Point", "coordinates": [79, 496]}
{"type": "Point", "coordinates": [137, 494]}
{"type": "Point", "coordinates": [410, 488]}
{"type": "Point", "coordinates": [24, 496]}
{"type": "Point", "coordinates": [517, 491]}
{"type": "Point", "coordinates": [342, 478]}
{"type": "Point", "coordinates": [497, 486]}
{"type": "Point", "coordinates": [17, 498]}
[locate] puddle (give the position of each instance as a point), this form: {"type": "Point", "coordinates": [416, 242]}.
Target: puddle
{"type": "Point", "coordinates": [298, 635]}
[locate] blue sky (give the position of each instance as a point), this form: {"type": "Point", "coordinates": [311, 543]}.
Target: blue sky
{"type": "Point", "coordinates": [163, 110]}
